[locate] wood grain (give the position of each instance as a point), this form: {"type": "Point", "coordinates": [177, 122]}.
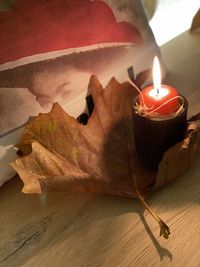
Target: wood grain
{"type": "Point", "coordinates": [81, 230]}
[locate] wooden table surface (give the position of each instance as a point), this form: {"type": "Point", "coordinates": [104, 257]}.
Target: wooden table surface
{"type": "Point", "coordinates": [82, 230]}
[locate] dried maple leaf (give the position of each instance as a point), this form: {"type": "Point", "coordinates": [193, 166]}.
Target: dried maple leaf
{"type": "Point", "coordinates": [140, 78]}
{"type": "Point", "coordinates": [179, 157]}
{"type": "Point", "coordinates": [61, 154]}
{"type": "Point", "coordinates": [195, 22]}
{"type": "Point", "coordinates": [57, 149]}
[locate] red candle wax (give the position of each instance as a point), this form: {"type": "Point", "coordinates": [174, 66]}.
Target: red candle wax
{"type": "Point", "coordinates": [153, 98]}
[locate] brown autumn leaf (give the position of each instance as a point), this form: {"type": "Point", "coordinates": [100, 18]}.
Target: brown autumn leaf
{"type": "Point", "coordinates": [195, 22]}
{"type": "Point", "coordinates": [179, 157]}
{"type": "Point", "coordinates": [140, 78]}
{"type": "Point", "coordinates": [63, 150]}
{"type": "Point", "coordinates": [61, 154]}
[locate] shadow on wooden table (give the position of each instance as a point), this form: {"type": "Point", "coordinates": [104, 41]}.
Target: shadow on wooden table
{"type": "Point", "coordinates": [35, 226]}
{"type": "Point", "coordinates": [49, 228]}
{"type": "Point", "coordinates": [163, 252]}
{"type": "Point", "coordinates": [181, 194]}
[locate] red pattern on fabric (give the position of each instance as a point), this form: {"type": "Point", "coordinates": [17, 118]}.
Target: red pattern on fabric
{"type": "Point", "coordinates": [34, 26]}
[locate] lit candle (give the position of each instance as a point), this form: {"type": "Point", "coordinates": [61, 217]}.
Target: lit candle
{"type": "Point", "coordinates": [155, 128]}
{"type": "Point", "coordinates": [159, 98]}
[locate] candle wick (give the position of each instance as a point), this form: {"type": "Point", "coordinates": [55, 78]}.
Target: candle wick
{"type": "Point", "coordinates": [157, 92]}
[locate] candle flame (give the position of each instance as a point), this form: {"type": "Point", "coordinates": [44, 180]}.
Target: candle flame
{"type": "Point", "coordinates": [156, 74]}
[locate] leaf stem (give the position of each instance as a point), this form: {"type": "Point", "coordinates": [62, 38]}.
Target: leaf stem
{"type": "Point", "coordinates": [164, 229]}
